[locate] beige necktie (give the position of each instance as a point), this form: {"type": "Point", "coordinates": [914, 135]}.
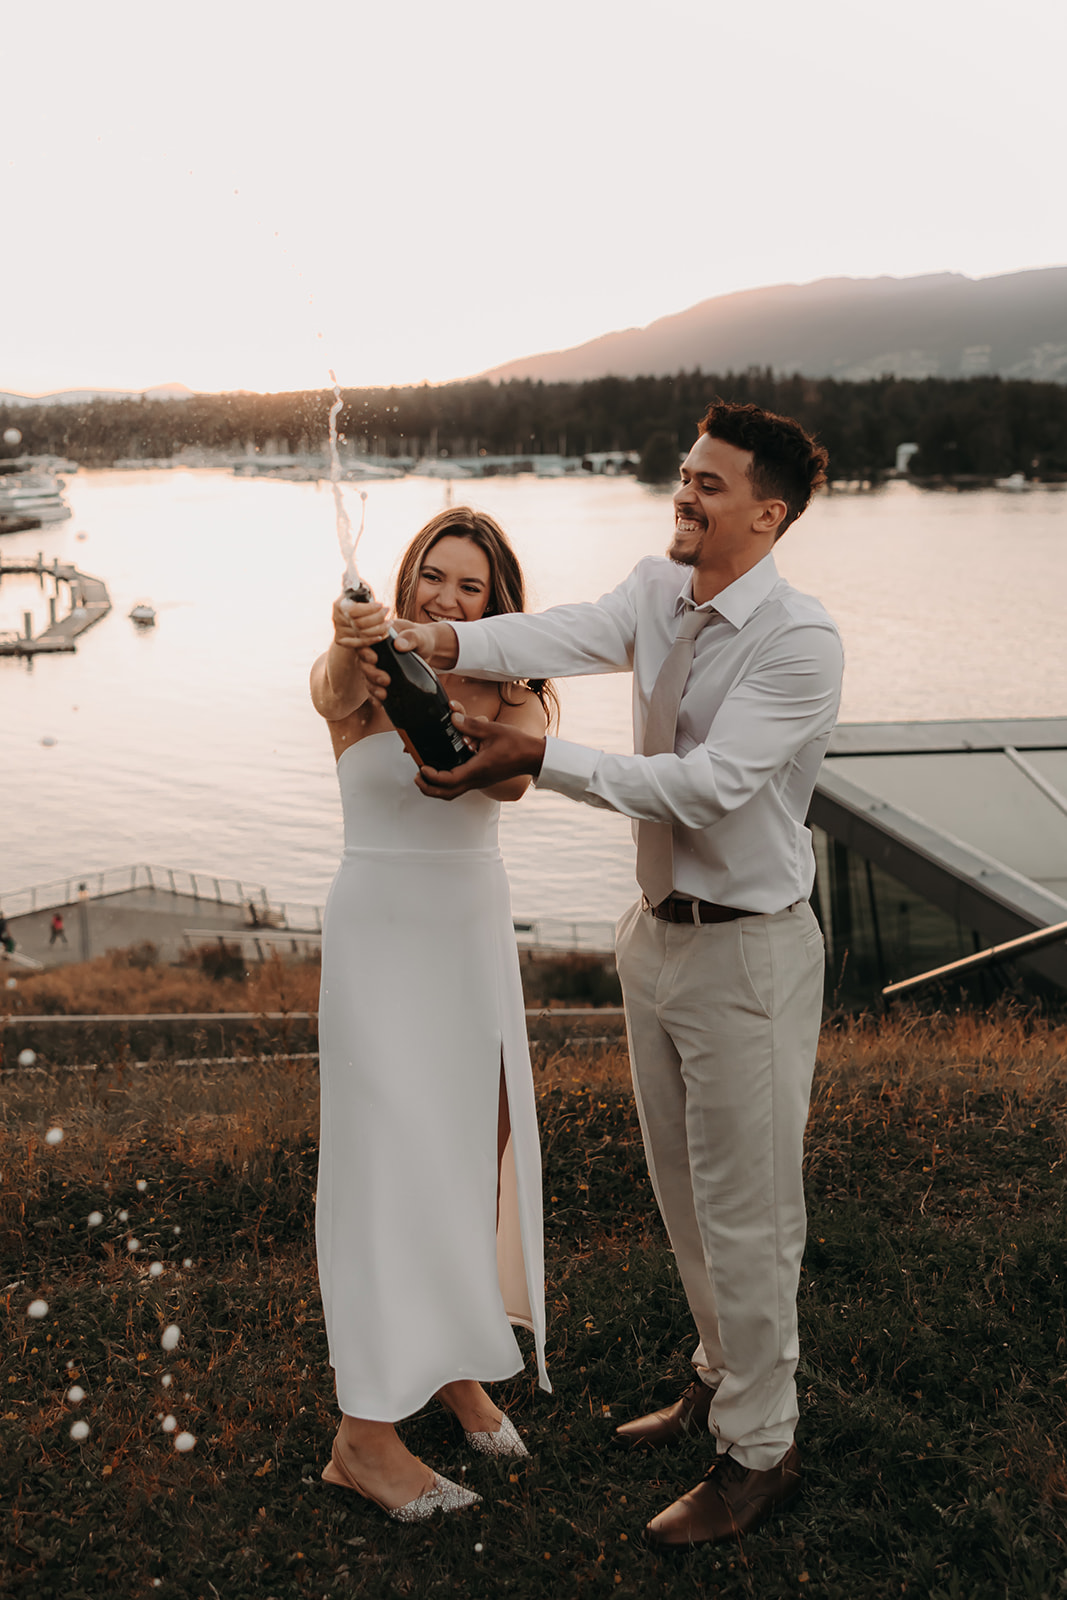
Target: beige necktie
{"type": "Point", "coordinates": [655, 840]}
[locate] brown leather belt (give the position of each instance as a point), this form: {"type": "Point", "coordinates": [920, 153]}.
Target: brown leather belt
{"type": "Point", "coordinates": [677, 909]}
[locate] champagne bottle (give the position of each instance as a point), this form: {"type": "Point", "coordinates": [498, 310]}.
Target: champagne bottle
{"type": "Point", "coordinates": [415, 702]}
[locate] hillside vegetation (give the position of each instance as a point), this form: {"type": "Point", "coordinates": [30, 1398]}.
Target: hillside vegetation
{"type": "Point", "coordinates": [965, 427]}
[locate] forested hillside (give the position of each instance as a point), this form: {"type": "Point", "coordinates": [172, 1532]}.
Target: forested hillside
{"type": "Point", "coordinates": [981, 427]}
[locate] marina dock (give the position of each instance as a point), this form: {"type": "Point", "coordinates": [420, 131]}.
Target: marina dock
{"type": "Point", "coordinates": [89, 601]}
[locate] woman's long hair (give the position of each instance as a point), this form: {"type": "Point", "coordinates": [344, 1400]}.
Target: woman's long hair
{"type": "Point", "coordinates": [507, 587]}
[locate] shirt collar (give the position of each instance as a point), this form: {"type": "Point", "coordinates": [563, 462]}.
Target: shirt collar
{"type": "Point", "coordinates": [739, 599]}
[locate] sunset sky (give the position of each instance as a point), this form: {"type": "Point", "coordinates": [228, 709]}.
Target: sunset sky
{"type": "Point", "coordinates": [236, 195]}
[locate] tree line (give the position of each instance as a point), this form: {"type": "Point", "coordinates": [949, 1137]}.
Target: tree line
{"type": "Point", "coordinates": [973, 427]}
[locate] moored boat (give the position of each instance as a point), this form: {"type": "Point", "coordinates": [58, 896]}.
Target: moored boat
{"type": "Point", "coordinates": [32, 494]}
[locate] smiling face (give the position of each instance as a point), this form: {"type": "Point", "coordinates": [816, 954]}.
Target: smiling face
{"type": "Point", "coordinates": [720, 527]}
{"type": "Point", "coordinates": [453, 582]}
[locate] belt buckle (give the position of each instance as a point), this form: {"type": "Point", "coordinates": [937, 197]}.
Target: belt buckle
{"type": "Point", "coordinates": [646, 903]}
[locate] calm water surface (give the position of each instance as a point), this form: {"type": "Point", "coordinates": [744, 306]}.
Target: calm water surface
{"type": "Point", "coordinates": [194, 744]}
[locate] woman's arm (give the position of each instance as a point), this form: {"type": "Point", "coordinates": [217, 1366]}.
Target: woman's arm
{"type": "Point", "coordinates": [523, 710]}
{"type": "Point", "coordinates": [338, 686]}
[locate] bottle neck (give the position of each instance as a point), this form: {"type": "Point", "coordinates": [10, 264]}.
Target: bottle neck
{"type": "Point", "coordinates": [361, 594]}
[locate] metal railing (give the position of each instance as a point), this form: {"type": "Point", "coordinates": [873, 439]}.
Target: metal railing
{"type": "Point", "coordinates": [981, 958]}
{"type": "Point", "coordinates": [174, 880]}
{"type": "Point", "coordinates": [542, 933]}
{"type": "Point", "coordinates": [256, 943]}
{"type": "Point", "coordinates": [556, 933]}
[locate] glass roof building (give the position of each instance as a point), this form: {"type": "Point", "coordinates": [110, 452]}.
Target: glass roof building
{"type": "Point", "coordinates": [937, 839]}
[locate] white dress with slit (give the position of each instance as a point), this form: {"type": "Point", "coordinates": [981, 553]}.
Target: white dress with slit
{"type": "Point", "coordinates": [420, 1005]}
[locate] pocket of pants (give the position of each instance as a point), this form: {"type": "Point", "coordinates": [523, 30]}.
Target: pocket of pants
{"type": "Point", "coordinates": [756, 964]}
{"type": "Point", "coordinates": [811, 933]}
{"type": "Point", "coordinates": [624, 929]}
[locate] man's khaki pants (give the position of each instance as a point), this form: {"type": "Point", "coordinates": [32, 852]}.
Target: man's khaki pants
{"type": "Point", "coordinates": [723, 1024]}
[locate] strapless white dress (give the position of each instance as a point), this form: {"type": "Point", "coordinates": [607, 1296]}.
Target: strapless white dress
{"type": "Point", "coordinates": [420, 1004]}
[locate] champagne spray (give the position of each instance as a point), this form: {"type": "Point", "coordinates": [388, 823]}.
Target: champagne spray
{"type": "Point", "coordinates": [415, 702]}
{"type": "Point", "coordinates": [344, 522]}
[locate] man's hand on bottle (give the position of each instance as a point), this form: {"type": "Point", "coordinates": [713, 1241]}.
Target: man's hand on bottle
{"type": "Point", "coordinates": [435, 642]}
{"type": "Point", "coordinates": [503, 751]}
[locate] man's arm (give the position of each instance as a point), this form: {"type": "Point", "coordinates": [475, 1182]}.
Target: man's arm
{"type": "Point", "coordinates": [789, 698]}
{"type": "Point", "coordinates": [569, 641]}
{"type": "Point", "coordinates": [563, 642]}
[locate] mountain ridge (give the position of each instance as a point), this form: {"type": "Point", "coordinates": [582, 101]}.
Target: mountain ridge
{"type": "Point", "coordinates": [942, 325]}
{"type": "Point", "coordinates": [74, 397]}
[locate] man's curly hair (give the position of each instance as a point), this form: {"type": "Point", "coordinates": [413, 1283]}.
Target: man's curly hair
{"type": "Point", "coordinates": [787, 463]}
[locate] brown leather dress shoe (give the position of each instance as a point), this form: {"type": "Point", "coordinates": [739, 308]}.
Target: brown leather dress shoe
{"type": "Point", "coordinates": [730, 1501]}
{"type": "Point", "coordinates": [687, 1415]}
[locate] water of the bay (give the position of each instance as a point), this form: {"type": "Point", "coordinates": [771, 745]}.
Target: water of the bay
{"type": "Point", "coordinates": [194, 744]}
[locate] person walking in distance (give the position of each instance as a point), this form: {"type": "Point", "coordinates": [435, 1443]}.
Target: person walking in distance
{"type": "Point", "coordinates": [737, 685]}
{"type": "Point", "coordinates": [58, 932]}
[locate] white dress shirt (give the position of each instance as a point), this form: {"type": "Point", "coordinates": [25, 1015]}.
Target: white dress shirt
{"type": "Point", "coordinates": [753, 725]}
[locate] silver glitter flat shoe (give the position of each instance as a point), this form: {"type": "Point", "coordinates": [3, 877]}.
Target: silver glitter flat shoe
{"type": "Point", "coordinates": [444, 1495]}
{"type": "Point", "coordinates": [504, 1442]}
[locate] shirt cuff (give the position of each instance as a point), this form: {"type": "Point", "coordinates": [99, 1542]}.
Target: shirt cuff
{"type": "Point", "coordinates": [473, 650]}
{"type": "Point", "coordinates": [567, 768]}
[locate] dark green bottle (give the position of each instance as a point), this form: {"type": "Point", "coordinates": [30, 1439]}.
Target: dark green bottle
{"type": "Point", "coordinates": [415, 702]}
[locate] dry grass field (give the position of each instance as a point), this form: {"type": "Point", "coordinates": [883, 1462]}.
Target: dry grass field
{"type": "Point", "coordinates": [934, 1341]}
{"type": "Point", "coordinates": [135, 981]}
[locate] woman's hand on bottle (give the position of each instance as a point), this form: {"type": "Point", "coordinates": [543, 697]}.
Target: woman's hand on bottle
{"type": "Point", "coordinates": [338, 680]}
{"type": "Point", "coordinates": [358, 624]}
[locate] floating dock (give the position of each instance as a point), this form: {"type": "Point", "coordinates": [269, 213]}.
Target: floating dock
{"type": "Point", "coordinates": [89, 601]}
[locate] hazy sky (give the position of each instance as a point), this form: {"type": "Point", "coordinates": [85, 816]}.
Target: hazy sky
{"type": "Point", "coordinates": [199, 191]}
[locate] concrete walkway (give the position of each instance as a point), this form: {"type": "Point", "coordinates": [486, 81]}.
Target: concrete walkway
{"type": "Point", "coordinates": [116, 921]}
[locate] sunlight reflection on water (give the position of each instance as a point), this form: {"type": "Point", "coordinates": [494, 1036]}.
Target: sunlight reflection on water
{"type": "Point", "coordinates": [194, 744]}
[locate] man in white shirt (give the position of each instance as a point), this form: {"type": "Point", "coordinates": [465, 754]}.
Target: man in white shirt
{"type": "Point", "coordinates": [721, 961]}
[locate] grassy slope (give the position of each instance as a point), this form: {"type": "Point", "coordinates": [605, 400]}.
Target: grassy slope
{"type": "Point", "coordinates": [932, 1316]}
{"type": "Point", "coordinates": [135, 982]}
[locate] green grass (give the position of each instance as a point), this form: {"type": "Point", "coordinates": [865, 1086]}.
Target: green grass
{"type": "Point", "coordinates": [934, 1346]}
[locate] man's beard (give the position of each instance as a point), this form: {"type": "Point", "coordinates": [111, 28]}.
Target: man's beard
{"type": "Point", "coordinates": [687, 558]}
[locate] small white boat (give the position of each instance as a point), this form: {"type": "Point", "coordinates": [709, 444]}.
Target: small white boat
{"type": "Point", "coordinates": [1016, 484]}
{"type": "Point", "coordinates": [33, 494]}
{"type": "Point", "coordinates": [144, 614]}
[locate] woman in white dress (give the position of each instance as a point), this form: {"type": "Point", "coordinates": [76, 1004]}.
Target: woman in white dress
{"type": "Point", "coordinates": [428, 1213]}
